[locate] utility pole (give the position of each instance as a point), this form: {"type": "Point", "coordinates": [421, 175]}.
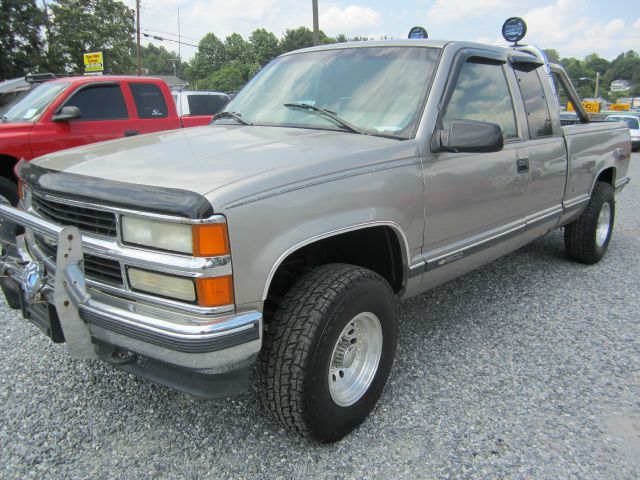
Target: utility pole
{"type": "Point", "coordinates": [179, 57]}
{"type": "Point", "coordinates": [597, 84]}
{"type": "Point", "coordinates": [316, 27]}
{"type": "Point", "coordinates": [138, 37]}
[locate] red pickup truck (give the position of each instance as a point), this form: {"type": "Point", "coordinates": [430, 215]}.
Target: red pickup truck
{"type": "Point", "coordinates": [73, 111]}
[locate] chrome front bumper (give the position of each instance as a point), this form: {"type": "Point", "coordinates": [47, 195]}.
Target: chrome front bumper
{"type": "Point", "coordinates": [208, 344]}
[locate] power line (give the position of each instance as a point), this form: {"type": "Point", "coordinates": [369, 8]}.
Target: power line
{"type": "Point", "coordinates": [162, 39]}
{"type": "Point", "coordinates": [168, 33]}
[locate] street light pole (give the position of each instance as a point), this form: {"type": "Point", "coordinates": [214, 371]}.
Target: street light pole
{"type": "Point", "coordinates": [597, 84]}
{"type": "Point", "coordinates": [138, 37]}
{"type": "Point", "coordinates": [316, 26]}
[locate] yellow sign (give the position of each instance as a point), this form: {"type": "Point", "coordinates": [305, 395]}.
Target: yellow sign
{"type": "Point", "coordinates": [620, 107]}
{"type": "Point", "coordinates": [591, 107]}
{"type": "Point", "coordinates": [93, 62]}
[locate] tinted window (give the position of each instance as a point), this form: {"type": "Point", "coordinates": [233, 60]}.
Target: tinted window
{"type": "Point", "coordinates": [149, 100]}
{"type": "Point", "coordinates": [482, 95]}
{"type": "Point", "coordinates": [535, 103]}
{"type": "Point", "coordinates": [206, 104]}
{"type": "Point", "coordinates": [99, 102]}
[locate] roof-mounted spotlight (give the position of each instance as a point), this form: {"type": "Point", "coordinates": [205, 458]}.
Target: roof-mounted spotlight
{"type": "Point", "coordinates": [514, 29]}
{"type": "Point", "coordinates": [418, 32]}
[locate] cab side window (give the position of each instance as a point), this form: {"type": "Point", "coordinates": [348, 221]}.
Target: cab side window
{"type": "Point", "coordinates": [149, 100]}
{"type": "Point", "coordinates": [482, 95]}
{"type": "Point", "coordinates": [535, 103]}
{"type": "Point", "coordinates": [99, 102]}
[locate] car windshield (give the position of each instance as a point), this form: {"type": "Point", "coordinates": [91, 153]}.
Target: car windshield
{"type": "Point", "coordinates": [375, 90]}
{"type": "Point", "coordinates": [632, 123]}
{"type": "Point", "coordinates": [31, 106]}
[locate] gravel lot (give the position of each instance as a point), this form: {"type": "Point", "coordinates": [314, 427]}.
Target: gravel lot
{"type": "Point", "coordinates": [528, 367]}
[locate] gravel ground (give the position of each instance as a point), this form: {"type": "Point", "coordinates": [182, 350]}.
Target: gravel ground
{"type": "Point", "coordinates": [526, 368]}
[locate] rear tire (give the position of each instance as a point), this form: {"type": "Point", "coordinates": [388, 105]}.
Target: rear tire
{"type": "Point", "coordinates": [328, 351]}
{"type": "Point", "coordinates": [586, 240]}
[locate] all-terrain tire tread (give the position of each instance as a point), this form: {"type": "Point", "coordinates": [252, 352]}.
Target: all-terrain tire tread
{"type": "Point", "coordinates": [579, 236]}
{"type": "Point", "coordinates": [288, 338]}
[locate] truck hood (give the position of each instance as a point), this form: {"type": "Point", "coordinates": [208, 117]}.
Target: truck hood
{"type": "Point", "coordinates": [217, 157]}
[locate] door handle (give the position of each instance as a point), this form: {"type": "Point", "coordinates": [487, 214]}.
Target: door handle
{"type": "Point", "coordinates": [523, 165]}
{"type": "Point", "coordinates": [131, 133]}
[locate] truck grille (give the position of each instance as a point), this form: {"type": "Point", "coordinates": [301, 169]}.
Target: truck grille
{"type": "Point", "coordinates": [86, 219]}
{"type": "Point", "coordinates": [96, 268]}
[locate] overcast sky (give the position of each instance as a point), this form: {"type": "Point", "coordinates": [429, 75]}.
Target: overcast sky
{"type": "Point", "coordinates": [573, 27]}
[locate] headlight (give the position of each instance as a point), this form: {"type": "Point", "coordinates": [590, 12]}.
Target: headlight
{"type": "Point", "coordinates": [202, 240]}
{"type": "Point", "coordinates": [162, 285]}
{"type": "Point", "coordinates": [175, 237]}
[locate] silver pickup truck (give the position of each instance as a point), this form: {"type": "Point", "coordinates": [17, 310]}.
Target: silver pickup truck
{"type": "Point", "coordinates": [340, 180]}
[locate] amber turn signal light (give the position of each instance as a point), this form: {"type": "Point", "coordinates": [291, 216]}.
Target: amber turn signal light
{"type": "Point", "coordinates": [210, 240]}
{"type": "Point", "coordinates": [215, 291]}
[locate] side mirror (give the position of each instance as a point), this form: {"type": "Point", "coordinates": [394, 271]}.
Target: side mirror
{"type": "Point", "coordinates": [469, 136]}
{"type": "Point", "coordinates": [67, 113]}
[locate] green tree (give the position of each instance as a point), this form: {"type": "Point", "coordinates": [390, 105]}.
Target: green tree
{"type": "Point", "coordinates": [209, 58]}
{"type": "Point", "coordinates": [160, 61]}
{"type": "Point", "coordinates": [81, 26]}
{"type": "Point", "coordinates": [237, 49]}
{"type": "Point", "coordinates": [301, 37]}
{"type": "Point", "coordinates": [264, 46]}
{"type": "Point", "coordinates": [552, 55]}
{"type": "Point", "coordinates": [230, 77]}
{"type": "Point", "coordinates": [20, 42]}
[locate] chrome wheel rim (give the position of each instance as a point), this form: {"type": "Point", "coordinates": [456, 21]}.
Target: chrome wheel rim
{"type": "Point", "coordinates": [604, 224]}
{"type": "Point", "coordinates": [355, 359]}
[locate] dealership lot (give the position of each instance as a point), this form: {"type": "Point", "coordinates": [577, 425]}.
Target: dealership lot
{"type": "Point", "coordinates": [528, 367]}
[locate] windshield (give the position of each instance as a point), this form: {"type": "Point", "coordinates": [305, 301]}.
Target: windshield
{"type": "Point", "coordinates": [377, 90]}
{"type": "Point", "coordinates": [31, 106]}
{"type": "Point", "coordinates": [632, 123]}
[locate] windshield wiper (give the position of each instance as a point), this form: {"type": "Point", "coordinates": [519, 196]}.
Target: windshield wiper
{"type": "Point", "coordinates": [4, 118]}
{"type": "Point", "coordinates": [235, 115]}
{"type": "Point", "coordinates": [327, 113]}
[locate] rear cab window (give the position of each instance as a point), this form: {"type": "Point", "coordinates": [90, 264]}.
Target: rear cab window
{"type": "Point", "coordinates": [99, 102]}
{"type": "Point", "coordinates": [535, 103]}
{"type": "Point", "coordinates": [149, 100]}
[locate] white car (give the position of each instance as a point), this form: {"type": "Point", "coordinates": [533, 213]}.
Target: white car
{"type": "Point", "coordinates": [197, 107]}
{"type": "Point", "coordinates": [633, 122]}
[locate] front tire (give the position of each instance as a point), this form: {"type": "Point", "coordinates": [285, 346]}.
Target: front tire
{"type": "Point", "coordinates": [9, 191]}
{"type": "Point", "coordinates": [586, 240]}
{"type": "Point", "coordinates": [328, 351]}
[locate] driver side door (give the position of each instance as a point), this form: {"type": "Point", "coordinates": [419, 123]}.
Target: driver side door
{"type": "Point", "coordinates": [472, 196]}
{"type": "Point", "coordinates": [104, 117]}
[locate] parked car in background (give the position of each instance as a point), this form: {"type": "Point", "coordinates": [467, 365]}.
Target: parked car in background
{"type": "Point", "coordinates": [197, 107]}
{"type": "Point", "coordinates": [73, 111]}
{"type": "Point", "coordinates": [11, 91]}
{"type": "Point", "coordinates": [633, 122]}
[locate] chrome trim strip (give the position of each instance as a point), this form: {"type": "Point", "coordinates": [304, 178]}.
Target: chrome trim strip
{"type": "Point", "coordinates": [462, 252]}
{"type": "Point", "coordinates": [193, 267]}
{"type": "Point", "coordinates": [620, 184]}
{"type": "Point", "coordinates": [137, 296]}
{"type": "Point", "coordinates": [477, 246]}
{"type": "Point", "coordinates": [417, 269]}
{"type": "Point", "coordinates": [557, 211]}
{"type": "Point", "coordinates": [404, 247]}
{"type": "Point", "coordinates": [575, 203]}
